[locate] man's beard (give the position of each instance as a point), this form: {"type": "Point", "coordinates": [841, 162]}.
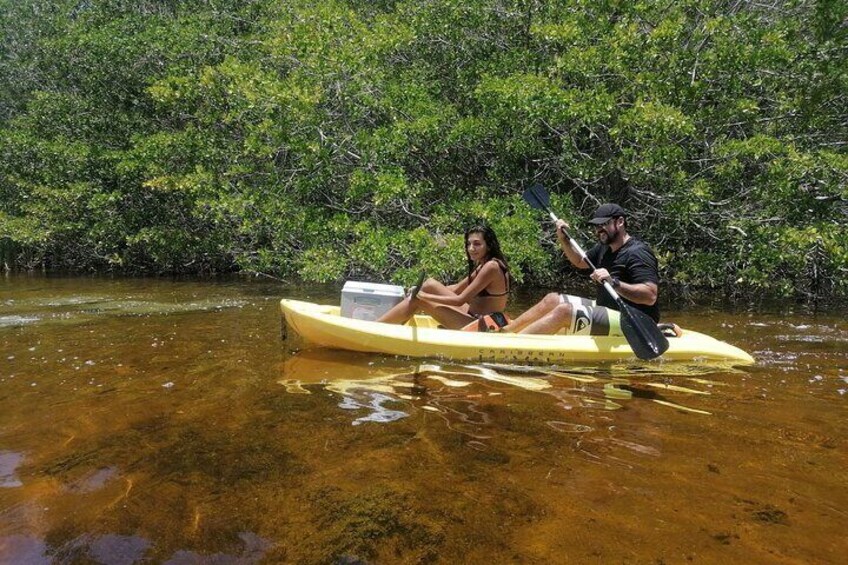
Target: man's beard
{"type": "Point", "coordinates": [606, 237]}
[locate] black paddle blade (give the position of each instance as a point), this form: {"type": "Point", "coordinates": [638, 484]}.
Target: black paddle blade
{"type": "Point", "coordinates": [641, 332]}
{"type": "Point", "coordinates": [537, 197]}
{"type": "Point", "coordinates": [417, 286]}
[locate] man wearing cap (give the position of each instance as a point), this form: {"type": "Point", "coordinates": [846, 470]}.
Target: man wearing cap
{"type": "Point", "coordinates": [624, 260]}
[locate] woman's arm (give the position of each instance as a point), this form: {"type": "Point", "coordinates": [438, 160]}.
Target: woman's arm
{"type": "Point", "coordinates": [466, 291]}
{"type": "Point", "coordinates": [458, 287]}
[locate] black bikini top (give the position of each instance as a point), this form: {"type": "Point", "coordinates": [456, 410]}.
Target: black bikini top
{"type": "Point", "coordinates": [485, 293]}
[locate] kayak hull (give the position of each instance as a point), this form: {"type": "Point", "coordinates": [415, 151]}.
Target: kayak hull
{"type": "Point", "coordinates": [322, 325]}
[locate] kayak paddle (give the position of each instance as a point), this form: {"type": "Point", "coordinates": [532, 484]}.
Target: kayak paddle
{"type": "Point", "coordinates": [642, 334]}
{"type": "Point", "coordinates": [417, 287]}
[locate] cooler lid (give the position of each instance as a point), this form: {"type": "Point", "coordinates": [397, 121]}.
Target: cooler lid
{"type": "Point", "coordinates": [372, 288]}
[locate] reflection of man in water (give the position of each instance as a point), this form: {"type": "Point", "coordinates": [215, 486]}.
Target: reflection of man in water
{"type": "Point", "coordinates": [623, 260]}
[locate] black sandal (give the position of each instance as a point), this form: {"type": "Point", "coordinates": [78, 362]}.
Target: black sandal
{"type": "Point", "coordinates": [670, 329]}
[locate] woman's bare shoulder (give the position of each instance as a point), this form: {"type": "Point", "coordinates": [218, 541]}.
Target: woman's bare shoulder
{"type": "Point", "coordinates": [489, 269]}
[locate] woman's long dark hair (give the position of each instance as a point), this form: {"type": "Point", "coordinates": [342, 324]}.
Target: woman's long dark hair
{"type": "Point", "coordinates": [491, 242]}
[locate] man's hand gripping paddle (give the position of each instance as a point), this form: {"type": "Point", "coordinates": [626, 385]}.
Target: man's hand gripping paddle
{"type": "Point", "coordinates": [640, 331]}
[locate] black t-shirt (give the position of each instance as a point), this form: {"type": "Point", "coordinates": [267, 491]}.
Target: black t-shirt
{"type": "Point", "coordinates": [633, 263]}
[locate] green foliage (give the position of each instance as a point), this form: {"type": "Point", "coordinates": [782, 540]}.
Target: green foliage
{"type": "Point", "coordinates": [346, 139]}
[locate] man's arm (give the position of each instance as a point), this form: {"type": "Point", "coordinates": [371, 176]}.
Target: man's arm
{"type": "Point", "coordinates": [565, 244]}
{"type": "Point", "coordinates": [643, 270]}
{"type": "Point", "coordinates": [638, 293]}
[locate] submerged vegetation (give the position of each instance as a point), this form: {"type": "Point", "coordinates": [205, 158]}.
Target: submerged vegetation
{"type": "Point", "coordinates": [340, 139]}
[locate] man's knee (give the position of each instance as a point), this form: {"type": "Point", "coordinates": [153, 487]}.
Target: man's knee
{"type": "Point", "coordinates": [551, 300]}
{"type": "Point", "coordinates": [562, 313]}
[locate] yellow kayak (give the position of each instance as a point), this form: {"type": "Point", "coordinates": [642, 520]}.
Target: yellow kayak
{"type": "Point", "coordinates": [323, 325]}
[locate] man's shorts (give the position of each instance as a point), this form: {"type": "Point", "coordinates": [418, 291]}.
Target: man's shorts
{"type": "Point", "coordinates": [589, 319]}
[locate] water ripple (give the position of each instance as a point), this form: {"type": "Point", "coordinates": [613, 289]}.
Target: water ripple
{"type": "Point", "coordinates": [379, 413]}
{"type": "Point", "coordinates": [568, 427]}
{"type": "Point", "coordinates": [9, 461]}
{"type": "Point", "coordinates": [16, 321]}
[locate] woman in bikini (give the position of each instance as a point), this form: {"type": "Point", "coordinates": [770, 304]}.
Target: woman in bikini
{"type": "Point", "coordinates": [482, 292]}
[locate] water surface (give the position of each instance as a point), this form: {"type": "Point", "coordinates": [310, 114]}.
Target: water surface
{"type": "Point", "coordinates": [153, 420]}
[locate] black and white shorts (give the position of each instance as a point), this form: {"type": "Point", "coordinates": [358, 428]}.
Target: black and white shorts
{"type": "Point", "coordinates": [587, 318]}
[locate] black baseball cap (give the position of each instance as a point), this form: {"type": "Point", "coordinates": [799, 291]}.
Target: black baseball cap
{"type": "Point", "coordinates": [605, 212]}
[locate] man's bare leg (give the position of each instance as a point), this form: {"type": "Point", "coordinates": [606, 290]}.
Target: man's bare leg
{"type": "Point", "coordinates": [534, 313]}
{"type": "Point", "coordinates": [551, 322]}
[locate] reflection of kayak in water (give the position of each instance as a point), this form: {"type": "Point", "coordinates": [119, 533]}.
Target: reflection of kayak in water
{"type": "Point", "coordinates": [324, 326]}
{"type": "Point", "coordinates": [343, 371]}
{"type": "Point", "coordinates": [315, 366]}
{"type": "Point", "coordinates": [370, 383]}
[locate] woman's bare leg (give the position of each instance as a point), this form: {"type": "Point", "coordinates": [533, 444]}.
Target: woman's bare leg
{"type": "Point", "coordinates": [405, 309]}
{"type": "Point", "coordinates": [536, 312]}
{"type": "Point", "coordinates": [450, 317]}
{"type": "Point", "coordinates": [400, 312]}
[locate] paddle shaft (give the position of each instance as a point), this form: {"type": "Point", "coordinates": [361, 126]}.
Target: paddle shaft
{"type": "Point", "coordinates": [576, 246]}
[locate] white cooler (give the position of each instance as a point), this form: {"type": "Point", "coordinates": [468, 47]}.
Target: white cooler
{"type": "Point", "coordinates": [369, 301]}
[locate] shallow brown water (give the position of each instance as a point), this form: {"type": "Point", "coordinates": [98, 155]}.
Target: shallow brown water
{"type": "Point", "coordinates": [146, 420]}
